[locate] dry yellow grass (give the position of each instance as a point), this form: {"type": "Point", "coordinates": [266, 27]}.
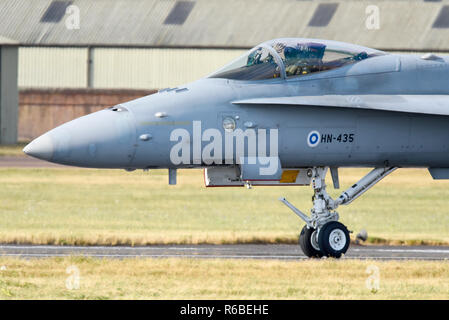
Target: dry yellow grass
{"type": "Point", "coordinates": [219, 279]}
{"type": "Point", "coordinates": [14, 150]}
{"type": "Point", "coordinates": [81, 206]}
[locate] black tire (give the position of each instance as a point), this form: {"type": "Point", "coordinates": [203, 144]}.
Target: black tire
{"type": "Point", "coordinates": [305, 242]}
{"type": "Point", "coordinates": [334, 239]}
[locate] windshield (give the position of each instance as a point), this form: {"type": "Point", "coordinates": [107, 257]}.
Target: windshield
{"type": "Point", "coordinates": [257, 64]}
{"type": "Point", "coordinates": [305, 57]}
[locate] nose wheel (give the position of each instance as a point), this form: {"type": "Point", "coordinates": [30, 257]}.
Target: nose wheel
{"type": "Point", "coordinates": [333, 239]}
{"type": "Point", "coordinates": [308, 241]}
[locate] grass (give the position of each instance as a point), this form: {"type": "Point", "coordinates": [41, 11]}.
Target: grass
{"type": "Point", "coordinates": [53, 278]}
{"type": "Point", "coordinates": [12, 150]}
{"type": "Point", "coordinates": [81, 206]}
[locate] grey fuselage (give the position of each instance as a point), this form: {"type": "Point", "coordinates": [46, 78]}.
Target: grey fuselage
{"type": "Point", "coordinates": [116, 139]}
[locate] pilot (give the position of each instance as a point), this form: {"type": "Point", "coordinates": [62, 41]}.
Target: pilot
{"type": "Point", "coordinates": [362, 55]}
{"type": "Point", "coordinates": [292, 55]}
{"type": "Point", "coordinates": [304, 58]}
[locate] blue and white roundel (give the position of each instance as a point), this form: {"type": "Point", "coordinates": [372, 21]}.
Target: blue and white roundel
{"type": "Point", "coordinates": [313, 139]}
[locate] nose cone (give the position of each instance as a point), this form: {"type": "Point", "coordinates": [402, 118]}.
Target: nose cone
{"type": "Point", "coordinates": [41, 148]}
{"type": "Point", "coordinates": [104, 139]}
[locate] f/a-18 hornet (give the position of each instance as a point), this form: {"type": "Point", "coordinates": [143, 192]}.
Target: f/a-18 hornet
{"type": "Point", "coordinates": [283, 114]}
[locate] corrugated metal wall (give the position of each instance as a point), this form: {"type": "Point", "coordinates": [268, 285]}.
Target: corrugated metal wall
{"type": "Point", "coordinates": [155, 68]}
{"type": "Point", "coordinates": [152, 68]}
{"type": "Point", "coordinates": [52, 67]}
{"type": "Point", "coordinates": [112, 68]}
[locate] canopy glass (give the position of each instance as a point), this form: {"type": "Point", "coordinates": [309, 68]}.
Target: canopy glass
{"type": "Point", "coordinates": [295, 57]}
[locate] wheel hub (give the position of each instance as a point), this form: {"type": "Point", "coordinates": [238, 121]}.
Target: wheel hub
{"type": "Point", "coordinates": [314, 241]}
{"type": "Point", "coordinates": [337, 239]}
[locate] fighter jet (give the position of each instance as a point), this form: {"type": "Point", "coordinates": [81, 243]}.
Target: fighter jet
{"type": "Point", "coordinates": [283, 114]}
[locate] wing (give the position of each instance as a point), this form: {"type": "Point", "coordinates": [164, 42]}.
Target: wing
{"type": "Point", "coordinates": [428, 104]}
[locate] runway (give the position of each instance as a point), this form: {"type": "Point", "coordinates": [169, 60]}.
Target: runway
{"type": "Point", "coordinates": [241, 251]}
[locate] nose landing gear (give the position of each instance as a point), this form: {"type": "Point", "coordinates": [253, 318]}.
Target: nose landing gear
{"type": "Point", "coordinates": [323, 235]}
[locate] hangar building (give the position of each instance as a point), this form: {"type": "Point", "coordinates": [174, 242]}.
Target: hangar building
{"type": "Point", "coordinates": [79, 56]}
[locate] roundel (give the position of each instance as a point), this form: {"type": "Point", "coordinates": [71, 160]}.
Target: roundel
{"type": "Point", "coordinates": [313, 139]}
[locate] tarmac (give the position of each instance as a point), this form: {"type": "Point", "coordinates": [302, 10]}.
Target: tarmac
{"type": "Point", "coordinates": [235, 251]}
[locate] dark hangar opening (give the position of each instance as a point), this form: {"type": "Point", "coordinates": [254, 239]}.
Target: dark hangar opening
{"type": "Point", "coordinates": [180, 12]}
{"type": "Point", "coordinates": [55, 11]}
{"type": "Point", "coordinates": [323, 14]}
{"type": "Point", "coordinates": [442, 20]}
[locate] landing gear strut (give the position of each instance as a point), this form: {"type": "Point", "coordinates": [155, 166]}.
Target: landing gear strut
{"type": "Point", "coordinates": [323, 235]}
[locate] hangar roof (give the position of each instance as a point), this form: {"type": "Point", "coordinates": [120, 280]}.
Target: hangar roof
{"type": "Point", "coordinates": [7, 41]}
{"type": "Point", "coordinates": [421, 25]}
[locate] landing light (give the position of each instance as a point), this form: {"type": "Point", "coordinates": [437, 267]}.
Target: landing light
{"type": "Point", "coordinates": [228, 124]}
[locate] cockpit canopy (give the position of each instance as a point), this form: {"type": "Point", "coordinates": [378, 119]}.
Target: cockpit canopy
{"type": "Point", "coordinates": [292, 58]}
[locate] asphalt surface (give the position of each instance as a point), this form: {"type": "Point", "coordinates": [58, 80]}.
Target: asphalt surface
{"type": "Point", "coordinates": [240, 251]}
